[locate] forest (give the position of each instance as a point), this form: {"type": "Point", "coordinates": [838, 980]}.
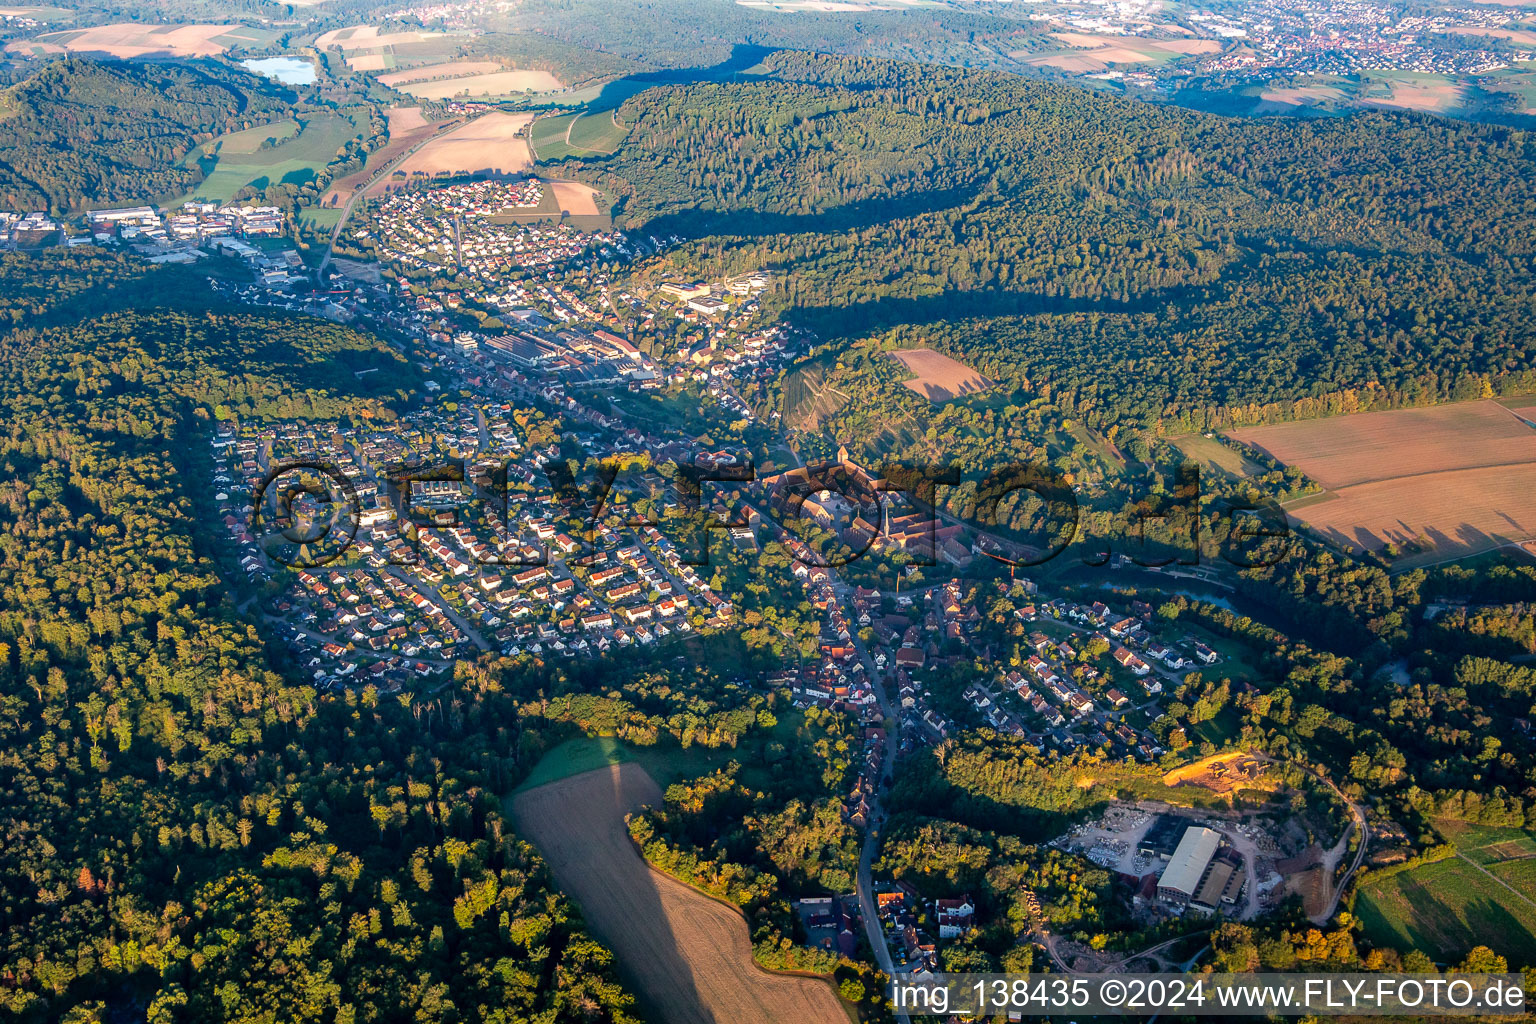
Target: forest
{"type": "Point", "coordinates": [696, 33]}
{"type": "Point", "coordinates": [85, 133]}
{"type": "Point", "coordinates": [1153, 268]}
{"type": "Point", "coordinates": [192, 836]}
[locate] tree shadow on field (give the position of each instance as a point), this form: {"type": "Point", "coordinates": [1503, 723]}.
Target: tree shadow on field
{"type": "Point", "coordinates": [579, 827]}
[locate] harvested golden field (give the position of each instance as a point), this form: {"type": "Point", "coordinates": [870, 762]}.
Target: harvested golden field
{"type": "Point", "coordinates": [687, 956]}
{"type": "Point", "coordinates": [939, 378]}
{"type": "Point", "coordinates": [452, 69]}
{"type": "Point", "coordinates": [1305, 95]}
{"type": "Point", "coordinates": [487, 145]}
{"type": "Point", "coordinates": [1453, 479]}
{"type": "Point", "coordinates": [500, 83]}
{"type": "Point", "coordinates": [1420, 96]}
{"type": "Point", "coordinates": [1097, 52]}
{"type": "Point", "coordinates": [404, 119]}
{"type": "Point", "coordinates": [407, 127]}
{"type": "Point", "coordinates": [367, 61]}
{"type": "Point", "coordinates": [368, 37]}
{"type": "Point", "coordinates": [575, 198]}
{"type": "Point", "coordinates": [127, 40]}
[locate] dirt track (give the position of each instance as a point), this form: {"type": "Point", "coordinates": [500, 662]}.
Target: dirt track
{"type": "Point", "coordinates": [687, 957]}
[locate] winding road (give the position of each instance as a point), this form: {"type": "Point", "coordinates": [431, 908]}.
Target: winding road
{"type": "Point", "coordinates": [1331, 858]}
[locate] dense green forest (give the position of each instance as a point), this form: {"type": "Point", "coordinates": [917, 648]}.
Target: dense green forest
{"type": "Point", "coordinates": [576, 66]}
{"type": "Point", "coordinates": [695, 33]}
{"type": "Point", "coordinates": [192, 836]}
{"type": "Point", "coordinates": [1150, 266]}
{"type": "Point", "coordinates": [90, 133]}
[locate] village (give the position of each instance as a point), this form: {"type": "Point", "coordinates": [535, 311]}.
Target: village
{"type": "Point", "coordinates": [533, 350]}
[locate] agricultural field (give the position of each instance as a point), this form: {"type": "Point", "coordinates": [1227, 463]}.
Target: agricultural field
{"type": "Point", "coordinates": [44, 14]}
{"type": "Point", "coordinates": [575, 199]}
{"type": "Point", "coordinates": [547, 138]}
{"type": "Point", "coordinates": [131, 40]}
{"type": "Point", "coordinates": [370, 61]}
{"type": "Point", "coordinates": [1517, 874]}
{"type": "Point", "coordinates": [1084, 52]}
{"type": "Point", "coordinates": [1214, 457]}
{"type": "Point", "coordinates": [469, 78]}
{"type": "Point", "coordinates": [368, 37]}
{"type": "Point", "coordinates": [234, 161]}
{"type": "Point", "coordinates": [938, 377]}
{"type": "Point", "coordinates": [1524, 37]}
{"type": "Point", "coordinates": [1441, 482]}
{"type": "Point", "coordinates": [596, 132]}
{"type": "Point", "coordinates": [452, 69]}
{"type": "Point", "coordinates": [586, 133]}
{"type": "Point", "coordinates": [1432, 93]}
{"type": "Point", "coordinates": [688, 956]}
{"type": "Point", "coordinates": [1488, 844]}
{"type": "Point", "coordinates": [491, 144]}
{"type": "Point", "coordinates": [1446, 908]}
{"type": "Point", "coordinates": [407, 127]}
{"type": "Point", "coordinates": [1304, 95]}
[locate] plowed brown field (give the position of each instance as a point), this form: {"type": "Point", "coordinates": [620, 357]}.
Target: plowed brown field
{"type": "Point", "coordinates": [939, 378]}
{"type": "Point", "coordinates": [687, 956]}
{"type": "Point", "coordinates": [1462, 477]}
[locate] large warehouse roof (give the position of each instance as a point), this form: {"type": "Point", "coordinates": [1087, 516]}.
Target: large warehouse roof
{"type": "Point", "coordinates": [1188, 863]}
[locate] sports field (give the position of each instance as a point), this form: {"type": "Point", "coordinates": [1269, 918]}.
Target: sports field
{"type": "Point", "coordinates": [1445, 909]}
{"type": "Point", "coordinates": [1452, 480]}
{"type": "Point", "coordinates": [688, 956]}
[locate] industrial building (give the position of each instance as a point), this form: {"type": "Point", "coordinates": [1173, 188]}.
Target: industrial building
{"type": "Point", "coordinates": [1186, 868]}
{"type": "Point", "coordinates": [1162, 838]}
{"type": "Point", "coordinates": [1223, 883]}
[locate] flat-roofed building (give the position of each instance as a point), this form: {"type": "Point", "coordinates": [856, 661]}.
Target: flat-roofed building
{"type": "Point", "coordinates": [1181, 878]}
{"type": "Point", "coordinates": [1217, 875]}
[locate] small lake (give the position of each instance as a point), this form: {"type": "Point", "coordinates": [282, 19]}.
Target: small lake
{"type": "Point", "coordinates": [288, 70]}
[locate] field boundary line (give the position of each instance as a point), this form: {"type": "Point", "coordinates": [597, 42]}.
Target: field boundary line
{"type": "Point", "coordinates": [1520, 895]}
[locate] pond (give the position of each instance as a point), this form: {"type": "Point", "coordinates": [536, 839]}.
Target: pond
{"type": "Point", "coordinates": [288, 70]}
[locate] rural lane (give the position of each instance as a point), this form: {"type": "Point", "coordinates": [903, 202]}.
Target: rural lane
{"type": "Point", "coordinates": [1518, 894]}
{"type": "Point", "coordinates": [1331, 858]}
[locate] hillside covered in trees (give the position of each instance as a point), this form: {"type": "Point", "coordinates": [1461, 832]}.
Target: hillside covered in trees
{"type": "Point", "coordinates": [191, 835]}
{"type": "Point", "coordinates": [1146, 265]}
{"type": "Point", "coordinates": [84, 132]}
